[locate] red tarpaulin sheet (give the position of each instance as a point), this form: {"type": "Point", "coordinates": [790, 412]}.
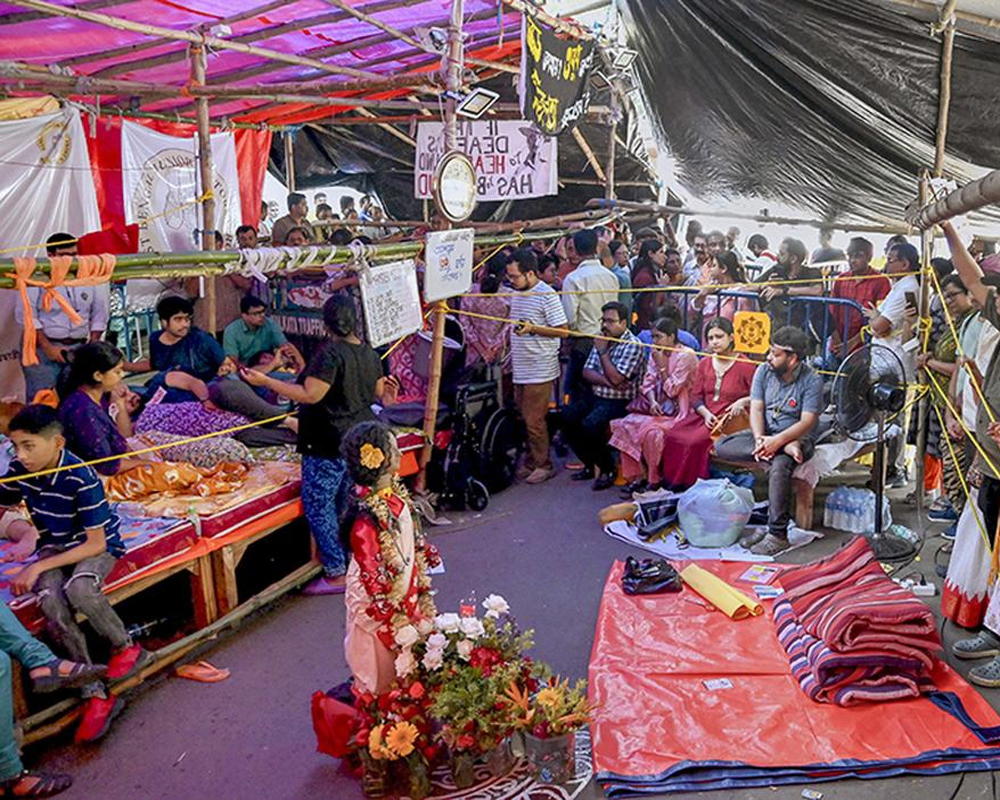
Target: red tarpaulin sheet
{"type": "Point", "coordinates": [658, 728]}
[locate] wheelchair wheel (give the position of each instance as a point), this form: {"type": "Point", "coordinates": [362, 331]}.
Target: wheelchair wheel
{"type": "Point", "coordinates": [477, 495]}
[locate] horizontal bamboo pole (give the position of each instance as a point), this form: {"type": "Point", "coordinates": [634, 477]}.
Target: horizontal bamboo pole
{"type": "Point", "coordinates": [205, 263]}
{"type": "Point", "coordinates": [212, 42]}
{"type": "Point", "coordinates": [971, 197]}
{"type": "Point", "coordinates": [573, 29]}
{"type": "Point", "coordinates": [17, 73]}
{"type": "Point", "coordinates": [654, 209]}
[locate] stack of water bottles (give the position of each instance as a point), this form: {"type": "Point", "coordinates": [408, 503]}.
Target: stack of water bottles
{"type": "Point", "coordinates": [853, 510]}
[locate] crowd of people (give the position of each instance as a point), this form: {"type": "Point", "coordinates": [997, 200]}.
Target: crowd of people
{"type": "Point", "coordinates": [619, 345]}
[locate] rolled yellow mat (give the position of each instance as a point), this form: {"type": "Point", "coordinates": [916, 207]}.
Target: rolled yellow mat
{"type": "Point", "coordinates": [734, 604]}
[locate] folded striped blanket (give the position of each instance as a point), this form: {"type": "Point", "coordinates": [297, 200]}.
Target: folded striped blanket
{"type": "Point", "coordinates": [848, 602]}
{"type": "Point", "coordinates": [845, 679]}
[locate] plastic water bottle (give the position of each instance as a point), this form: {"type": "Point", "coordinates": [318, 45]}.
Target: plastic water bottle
{"type": "Point", "coordinates": [834, 507]}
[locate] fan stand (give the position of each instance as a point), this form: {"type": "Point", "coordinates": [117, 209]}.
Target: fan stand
{"type": "Point", "coordinates": [885, 546]}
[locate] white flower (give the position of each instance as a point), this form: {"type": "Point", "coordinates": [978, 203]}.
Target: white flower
{"type": "Point", "coordinates": [465, 648]}
{"type": "Point", "coordinates": [472, 627]}
{"type": "Point", "coordinates": [433, 659]}
{"type": "Point", "coordinates": [447, 622]}
{"type": "Point", "coordinates": [407, 636]}
{"type": "Point", "coordinates": [425, 626]}
{"type": "Point", "coordinates": [437, 641]}
{"type": "Point", "coordinates": [495, 605]}
{"type": "Point", "coordinates": [405, 664]}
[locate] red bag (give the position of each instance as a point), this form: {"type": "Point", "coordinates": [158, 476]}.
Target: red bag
{"type": "Point", "coordinates": [335, 724]}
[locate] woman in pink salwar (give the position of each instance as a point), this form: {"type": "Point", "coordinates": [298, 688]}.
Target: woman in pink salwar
{"type": "Point", "coordinates": [663, 400]}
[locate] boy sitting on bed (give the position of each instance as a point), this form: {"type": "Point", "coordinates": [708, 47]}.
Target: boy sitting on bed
{"type": "Point", "coordinates": [78, 545]}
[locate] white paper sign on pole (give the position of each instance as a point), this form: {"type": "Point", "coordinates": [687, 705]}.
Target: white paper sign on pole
{"type": "Point", "coordinates": [391, 301]}
{"type": "Point", "coordinates": [449, 263]}
{"type": "Point", "coordinates": [512, 159]}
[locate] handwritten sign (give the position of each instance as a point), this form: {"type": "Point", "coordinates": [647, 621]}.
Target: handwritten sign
{"type": "Point", "coordinates": [511, 158]}
{"type": "Point", "coordinates": [554, 73]}
{"type": "Point", "coordinates": [449, 264]}
{"type": "Point", "coordinates": [391, 301]}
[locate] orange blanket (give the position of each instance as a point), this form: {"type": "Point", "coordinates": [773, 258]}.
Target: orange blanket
{"type": "Point", "coordinates": [170, 478]}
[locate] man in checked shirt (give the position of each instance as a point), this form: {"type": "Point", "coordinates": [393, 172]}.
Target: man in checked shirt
{"type": "Point", "coordinates": [614, 371]}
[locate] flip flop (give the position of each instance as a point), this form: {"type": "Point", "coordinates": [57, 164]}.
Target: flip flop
{"type": "Point", "coordinates": [203, 672]}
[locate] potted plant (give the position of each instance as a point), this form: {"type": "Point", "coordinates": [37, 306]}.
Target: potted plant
{"type": "Point", "coordinates": [548, 719]}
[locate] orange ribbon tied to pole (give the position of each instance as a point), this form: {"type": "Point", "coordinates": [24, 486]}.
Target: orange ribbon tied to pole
{"type": "Point", "coordinates": [91, 271]}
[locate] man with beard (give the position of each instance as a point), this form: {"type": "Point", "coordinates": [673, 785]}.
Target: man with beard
{"type": "Point", "coordinates": [808, 282]}
{"type": "Point", "coordinates": [540, 322]}
{"type": "Point", "coordinates": [786, 399]}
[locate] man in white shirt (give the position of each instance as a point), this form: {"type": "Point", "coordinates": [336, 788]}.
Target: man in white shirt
{"type": "Point", "coordinates": [887, 323]}
{"type": "Point", "coordinates": [540, 322]}
{"type": "Point", "coordinates": [57, 335]}
{"type": "Point", "coordinates": [586, 290]}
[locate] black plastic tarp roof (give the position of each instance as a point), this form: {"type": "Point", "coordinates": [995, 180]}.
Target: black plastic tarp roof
{"type": "Point", "coordinates": [825, 106]}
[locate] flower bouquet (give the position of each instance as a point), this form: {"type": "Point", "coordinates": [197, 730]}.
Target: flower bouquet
{"type": "Point", "coordinates": [468, 662]}
{"type": "Point", "coordinates": [549, 718]}
{"type": "Point", "coordinates": [394, 740]}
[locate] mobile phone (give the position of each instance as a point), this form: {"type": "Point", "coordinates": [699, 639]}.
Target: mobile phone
{"type": "Point", "coordinates": [911, 299]}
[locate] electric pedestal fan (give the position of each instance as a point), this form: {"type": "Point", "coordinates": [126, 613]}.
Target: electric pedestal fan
{"type": "Point", "coordinates": [869, 388]}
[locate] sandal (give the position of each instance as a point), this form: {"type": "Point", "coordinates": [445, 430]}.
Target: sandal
{"type": "Point", "coordinates": [987, 675]}
{"type": "Point", "coordinates": [78, 675]}
{"type": "Point", "coordinates": [979, 646]}
{"type": "Point", "coordinates": [45, 784]}
{"type": "Point", "coordinates": [203, 672]}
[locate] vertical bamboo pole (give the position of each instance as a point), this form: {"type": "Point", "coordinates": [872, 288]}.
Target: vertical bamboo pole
{"type": "Point", "coordinates": [609, 189]}
{"type": "Point", "coordinates": [452, 65]}
{"type": "Point", "coordinates": [944, 93]}
{"type": "Point", "coordinates": [927, 240]}
{"type": "Point", "coordinates": [199, 67]}
{"type": "Point", "coordinates": [289, 161]}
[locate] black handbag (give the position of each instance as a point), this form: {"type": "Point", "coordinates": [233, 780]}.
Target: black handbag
{"type": "Point", "coordinates": [650, 576]}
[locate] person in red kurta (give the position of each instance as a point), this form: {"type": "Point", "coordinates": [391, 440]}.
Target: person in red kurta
{"type": "Point", "coordinates": [720, 398]}
{"type": "Point", "coordinates": [388, 590]}
{"type": "Point", "coordinates": [863, 285]}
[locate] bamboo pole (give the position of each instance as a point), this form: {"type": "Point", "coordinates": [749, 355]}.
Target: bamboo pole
{"type": "Point", "coordinates": [971, 197]}
{"type": "Point", "coordinates": [923, 417]}
{"type": "Point", "coordinates": [289, 142]}
{"type": "Point", "coordinates": [21, 74]}
{"type": "Point", "coordinates": [199, 66]}
{"type": "Point", "coordinates": [187, 36]}
{"type": "Point", "coordinates": [452, 67]}
{"type": "Point", "coordinates": [655, 209]}
{"type": "Point", "coordinates": [609, 189]}
{"type": "Point", "coordinates": [944, 93]}
{"type": "Point", "coordinates": [568, 27]}
{"type": "Point", "coordinates": [198, 262]}
{"type": "Point", "coordinates": [589, 153]}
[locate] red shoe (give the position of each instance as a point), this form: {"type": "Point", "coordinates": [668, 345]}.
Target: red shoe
{"type": "Point", "coordinates": [127, 662]}
{"type": "Point", "coordinates": [97, 716]}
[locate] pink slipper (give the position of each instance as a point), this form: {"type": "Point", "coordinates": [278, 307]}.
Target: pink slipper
{"type": "Point", "coordinates": [324, 585]}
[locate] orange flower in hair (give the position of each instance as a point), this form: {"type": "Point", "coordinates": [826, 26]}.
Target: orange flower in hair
{"type": "Point", "coordinates": [371, 456]}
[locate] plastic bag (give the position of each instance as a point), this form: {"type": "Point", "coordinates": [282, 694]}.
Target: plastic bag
{"type": "Point", "coordinates": [714, 513]}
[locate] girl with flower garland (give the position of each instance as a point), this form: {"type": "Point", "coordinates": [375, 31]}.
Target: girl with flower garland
{"type": "Point", "coordinates": [388, 589]}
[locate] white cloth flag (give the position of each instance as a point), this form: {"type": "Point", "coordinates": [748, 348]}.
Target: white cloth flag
{"type": "Point", "coordinates": [160, 179]}
{"type": "Point", "coordinates": [46, 187]}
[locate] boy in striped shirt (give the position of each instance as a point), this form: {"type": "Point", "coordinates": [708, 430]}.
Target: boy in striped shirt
{"type": "Point", "coordinates": [78, 545]}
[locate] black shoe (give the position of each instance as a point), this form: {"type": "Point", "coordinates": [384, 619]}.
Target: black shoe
{"type": "Point", "coordinates": [604, 481]}
{"type": "Point", "coordinates": [584, 474]}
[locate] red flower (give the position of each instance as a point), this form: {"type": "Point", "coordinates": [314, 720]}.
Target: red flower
{"type": "Point", "coordinates": [361, 740]}
{"type": "Point", "coordinates": [410, 712]}
{"type": "Point", "coordinates": [417, 690]}
{"type": "Point", "coordinates": [466, 742]}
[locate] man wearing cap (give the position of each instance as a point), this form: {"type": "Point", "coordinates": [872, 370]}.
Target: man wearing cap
{"type": "Point", "coordinates": [57, 335]}
{"type": "Point", "coordinates": [786, 398]}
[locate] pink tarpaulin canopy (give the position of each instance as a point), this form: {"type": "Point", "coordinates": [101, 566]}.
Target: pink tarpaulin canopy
{"type": "Point", "coordinates": [313, 29]}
